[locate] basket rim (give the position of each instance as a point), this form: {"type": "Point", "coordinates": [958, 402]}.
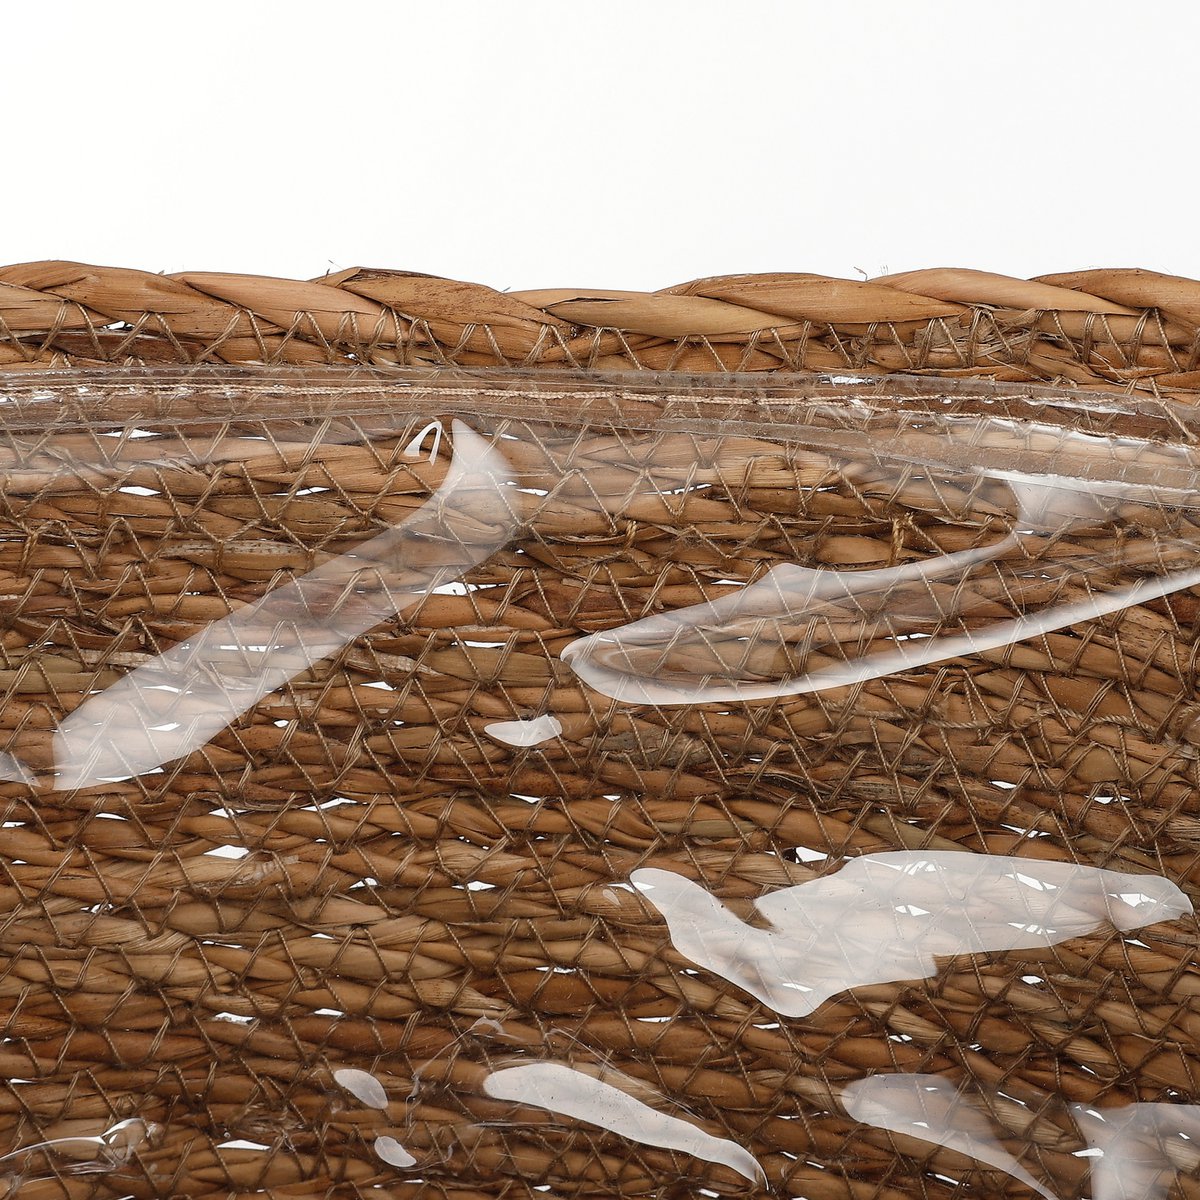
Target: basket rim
{"type": "Point", "coordinates": [1126, 330]}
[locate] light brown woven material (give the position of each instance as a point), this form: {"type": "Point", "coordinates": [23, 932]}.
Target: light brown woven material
{"type": "Point", "coordinates": [1105, 328]}
{"type": "Point", "coordinates": [417, 900]}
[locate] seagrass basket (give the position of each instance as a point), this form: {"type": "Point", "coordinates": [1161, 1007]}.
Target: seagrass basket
{"type": "Point", "coordinates": [740, 740]}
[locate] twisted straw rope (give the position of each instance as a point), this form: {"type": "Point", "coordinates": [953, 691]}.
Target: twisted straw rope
{"type": "Point", "coordinates": [1118, 328]}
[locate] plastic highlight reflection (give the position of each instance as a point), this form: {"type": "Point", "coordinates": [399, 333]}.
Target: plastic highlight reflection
{"type": "Point", "coordinates": [1137, 1151]}
{"type": "Point", "coordinates": [1143, 1148]}
{"type": "Point", "coordinates": [174, 704]}
{"type": "Point", "coordinates": [934, 1110]}
{"type": "Point", "coordinates": [799, 630]}
{"type": "Point", "coordinates": [577, 1095]}
{"type": "Point", "coordinates": [889, 917]}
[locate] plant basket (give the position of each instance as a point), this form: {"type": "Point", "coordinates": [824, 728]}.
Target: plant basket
{"type": "Point", "coordinates": [740, 740]}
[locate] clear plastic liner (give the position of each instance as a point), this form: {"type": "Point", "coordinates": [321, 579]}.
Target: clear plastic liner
{"type": "Point", "coordinates": [485, 785]}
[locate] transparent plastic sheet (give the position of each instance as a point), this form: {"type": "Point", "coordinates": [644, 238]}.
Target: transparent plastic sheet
{"type": "Point", "coordinates": [487, 785]}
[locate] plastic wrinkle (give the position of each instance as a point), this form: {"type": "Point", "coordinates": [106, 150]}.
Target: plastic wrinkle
{"type": "Point", "coordinates": [935, 1110]}
{"type": "Point", "coordinates": [579, 1096]}
{"type": "Point", "coordinates": [525, 733]}
{"type": "Point", "coordinates": [110, 1151]}
{"type": "Point", "coordinates": [13, 770]}
{"type": "Point", "coordinates": [1143, 1147]}
{"type": "Point", "coordinates": [882, 621]}
{"type": "Point", "coordinates": [174, 704]}
{"type": "Point", "coordinates": [889, 917]}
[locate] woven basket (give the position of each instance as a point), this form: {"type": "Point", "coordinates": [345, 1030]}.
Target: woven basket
{"type": "Point", "coordinates": [739, 740]}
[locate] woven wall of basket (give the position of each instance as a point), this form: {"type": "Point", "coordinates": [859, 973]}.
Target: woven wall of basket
{"type": "Point", "coordinates": [739, 740]}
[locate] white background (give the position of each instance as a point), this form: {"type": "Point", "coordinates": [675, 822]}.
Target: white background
{"type": "Point", "coordinates": [637, 144]}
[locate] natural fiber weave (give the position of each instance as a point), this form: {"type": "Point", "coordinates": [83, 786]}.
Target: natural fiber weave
{"type": "Point", "coordinates": [1103, 328]}
{"type": "Point", "coordinates": [356, 875]}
